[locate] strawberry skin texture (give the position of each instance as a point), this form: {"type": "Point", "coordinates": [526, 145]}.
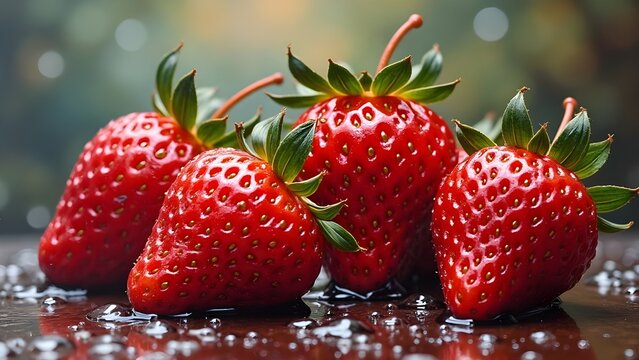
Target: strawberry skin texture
{"type": "Point", "coordinates": [112, 199]}
{"type": "Point", "coordinates": [229, 234]}
{"type": "Point", "coordinates": [386, 157]}
{"type": "Point", "coordinates": [512, 230]}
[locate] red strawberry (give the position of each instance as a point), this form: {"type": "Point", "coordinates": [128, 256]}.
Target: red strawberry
{"type": "Point", "coordinates": [116, 188]}
{"type": "Point", "coordinates": [236, 231]}
{"type": "Point", "coordinates": [384, 152]}
{"type": "Point", "coordinates": [513, 226]}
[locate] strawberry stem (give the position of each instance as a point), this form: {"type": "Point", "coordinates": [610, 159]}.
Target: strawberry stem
{"type": "Point", "coordinates": [276, 78]}
{"type": "Point", "coordinates": [413, 22]}
{"type": "Point", "coordinates": [569, 112]}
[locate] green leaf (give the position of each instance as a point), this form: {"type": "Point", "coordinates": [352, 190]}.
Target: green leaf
{"type": "Point", "coordinates": [470, 139]}
{"type": "Point", "coordinates": [516, 127]}
{"type": "Point", "coordinates": [392, 77]}
{"type": "Point", "coordinates": [338, 237]}
{"type": "Point", "coordinates": [306, 187]}
{"type": "Point", "coordinates": [428, 70]}
{"type": "Point", "coordinates": [343, 80]}
{"type": "Point", "coordinates": [306, 76]}
{"type": "Point", "coordinates": [595, 158]}
{"type": "Point", "coordinates": [430, 94]}
{"type": "Point", "coordinates": [185, 101]}
{"type": "Point", "coordinates": [241, 139]}
{"type": "Point", "coordinates": [608, 226]}
{"type": "Point", "coordinates": [207, 103]}
{"type": "Point", "coordinates": [321, 212]}
{"type": "Point", "coordinates": [609, 198]}
{"type": "Point", "coordinates": [572, 144]}
{"type": "Point", "coordinates": [158, 107]}
{"type": "Point", "coordinates": [366, 80]}
{"type": "Point", "coordinates": [211, 130]}
{"type": "Point", "coordinates": [164, 77]}
{"type": "Point", "coordinates": [292, 152]}
{"type": "Point", "coordinates": [297, 101]}
{"type": "Point", "coordinates": [266, 136]}
{"type": "Point", "coordinates": [540, 142]}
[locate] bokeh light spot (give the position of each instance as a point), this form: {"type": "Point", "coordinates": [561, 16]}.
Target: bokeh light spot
{"type": "Point", "coordinates": [38, 217]}
{"type": "Point", "coordinates": [130, 35]}
{"type": "Point", "coordinates": [51, 64]}
{"type": "Point", "coordinates": [490, 24]}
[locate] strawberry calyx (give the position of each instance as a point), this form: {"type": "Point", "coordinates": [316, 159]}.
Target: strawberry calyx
{"type": "Point", "coordinates": [400, 78]}
{"type": "Point", "coordinates": [286, 156]}
{"type": "Point", "coordinates": [571, 148]}
{"type": "Point", "coordinates": [197, 109]}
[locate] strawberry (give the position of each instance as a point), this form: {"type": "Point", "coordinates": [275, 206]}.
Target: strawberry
{"type": "Point", "coordinates": [235, 230]}
{"type": "Point", "coordinates": [513, 226]}
{"type": "Point", "coordinates": [117, 185]}
{"type": "Point", "coordinates": [384, 152]}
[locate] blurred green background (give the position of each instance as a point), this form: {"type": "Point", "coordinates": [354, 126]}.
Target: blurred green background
{"type": "Point", "coordinates": [68, 66]}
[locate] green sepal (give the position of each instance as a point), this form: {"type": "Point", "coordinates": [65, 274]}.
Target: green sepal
{"type": "Point", "coordinates": [293, 150]}
{"type": "Point", "coordinates": [516, 127]}
{"type": "Point", "coordinates": [342, 80]}
{"type": "Point", "coordinates": [229, 139]}
{"type": "Point", "coordinates": [164, 78]}
{"type": "Point", "coordinates": [595, 158]}
{"type": "Point", "coordinates": [241, 139]}
{"type": "Point", "coordinates": [297, 101]}
{"type": "Point", "coordinates": [266, 136]}
{"type": "Point", "coordinates": [184, 101]}
{"type": "Point", "coordinates": [427, 71]}
{"type": "Point", "coordinates": [608, 226]}
{"type": "Point", "coordinates": [431, 94]}
{"type": "Point", "coordinates": [158, 106]}
{"type": "Point", "coordinates": [366, 80]}
{"type": "Point", "coordinates": [392, 77]}
{"type": "Point", "coordinates": [609, 198]}
{"type": "Point", "coordinates": [470, 139]}
{"type": "Point", "coordinates": [337, 236]}
{"type": "Point", "coordinates": [324, 212]}
{"type": "Point", "coordinates": [306, 76]}
{"type": "Point", "coordinates": [306, 187]}
{"type": "Point", "coordinates": [211, 130]}
{"type": "Point", "coordinates": [207, 103]}
{"type": "Point", "coordinates": [540, 142]}
{"type": "Point", "coordinates": [572, 144]}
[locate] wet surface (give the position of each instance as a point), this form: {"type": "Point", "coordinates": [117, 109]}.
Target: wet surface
{"type": "Point", "coordinates": [598, 319]}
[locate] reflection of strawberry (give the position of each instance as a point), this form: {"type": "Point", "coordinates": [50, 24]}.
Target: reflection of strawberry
{"type": "Point", "coordinates": [383, 151]}
{"type": "Point", "coordinates": [116, 188]}
{"type": "Point", "coordinates": [513, 226]}
{"type": "Point", "coordinates": [235, 230]}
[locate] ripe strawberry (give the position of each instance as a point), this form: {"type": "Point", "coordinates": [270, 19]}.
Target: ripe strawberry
{"type": "Point", "coordinates": [236, 231]}
{"type": "Point", "coordinates": [513, 226]}
{"type": "Point", "coordinates": [116, 188]}
{"type": "Point", "coordinates": [383, 151]}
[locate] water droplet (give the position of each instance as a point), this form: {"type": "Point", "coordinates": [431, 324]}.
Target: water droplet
{"type": "Point", "coordinates": [342, 328]}
{"type": "Point", "coordinates": [531, 355]}
{"type": "Point", "coordinates": [205, 335]}
{"type": "Point", "coordinates": [50, 347]}
{"type": "Point", "coordinates": [488, 338]}
{"type": "Point", "coordinates": [631, 290]}
{"type": "Point", "coordinates": [374, 317]}
{"type": "Point", "coordinates": [82, 335]}
{"type": "Point", "coordinates": [215, 323]}
{"type": "Point", "coordinates": [182, 347]}
{"type": "Point", "coordinates": [390, 307]}
{"type": "Point", "coordinates": [542, 337]}
{"type": "Point", "coordinates": [303, 324]}
{"type": "Point", "coordinates": [583, 344]}
{"type": "Point", "coordinates": [392, 322]}
{"type": "Point", "coordinates": [33, 292]}
{"type": "Point", "coordinates": [16, 345]}
{"type": "Point", "coordinates": [230, 339]}
{"type": "Point", "coordinates": [251, 339]}
{"type": "Point", "coordinates": [419, 357]}
{"type": "Point", "coordinates": [421, 302]}
{"type": "Point", "coordinates": [156, 328]}
{"type": "Point", "coordinates": [118, 313]}
{"type": "Point", "coordinates": [417, 331]}
{"type": "Point", "coordinates": [609, 265]}
{"type": "Point", "coordinates": [630, 354]}
{"type": "Point", "coordinates": [154, 356]}
{"type": "Point", "coordinates": [107, 346]}
{"type": "Point", "coordinates": [4, 350]}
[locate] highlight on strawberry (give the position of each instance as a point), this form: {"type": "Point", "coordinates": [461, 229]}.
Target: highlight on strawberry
{"type": "Point", "coordinates": [383, 151]}
{"type": "Point", "coordinates": [117, 185]}
{"type": "Point", "coordinates": [513, 226]}
{"type": "Point", "coordinates": [237, 230]}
